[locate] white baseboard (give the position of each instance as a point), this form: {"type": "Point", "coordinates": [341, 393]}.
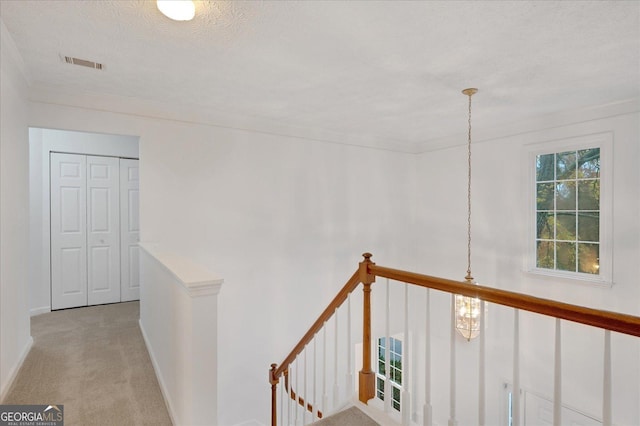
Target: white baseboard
{"type": "Point", "coordinates": [15, 370]}
{"type": "Point", "coordinates": [156, 369]}
{"type": "Point", "coordinates": [39, 311]}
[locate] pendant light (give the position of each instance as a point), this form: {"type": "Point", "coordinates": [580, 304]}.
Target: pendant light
{"type": "Point", "coordinates": [468, 308]}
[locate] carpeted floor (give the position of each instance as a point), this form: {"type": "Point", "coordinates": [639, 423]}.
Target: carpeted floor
{"type": "Point", "coordinates": [351, 417]}
{"type": "Point", "coordinates": [94, 362]}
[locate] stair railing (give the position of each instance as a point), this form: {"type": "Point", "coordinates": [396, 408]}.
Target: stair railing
{"type": "Point", "coordinates": [278, 371]}
{"type": "Point", "coordinates": [367, 273]}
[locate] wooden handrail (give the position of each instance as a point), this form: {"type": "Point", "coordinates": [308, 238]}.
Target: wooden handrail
{"type": "Point", "coordinates": [351, 284]}
{"type": "Point", "coordinates": [366, 273]}
{"type": "Point", "coordinates": [621, 323]}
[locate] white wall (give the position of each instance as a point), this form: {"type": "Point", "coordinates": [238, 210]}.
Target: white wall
{"type": "Point", "coordinates": [179, 322]}
{"type": "Point", "coordinates": [15, 337]}
{"type": "Point", "coordinates": [41, 143]}
{"type": "Point", "coordinates": [283, 220]}
{"type": "Point", "coordinates": [499, 248]}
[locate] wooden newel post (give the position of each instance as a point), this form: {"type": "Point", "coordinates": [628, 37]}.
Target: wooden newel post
{"type": "Point", "coordinates": [274, 382]}
{"type": "Point", "coordinates": [367, 378]}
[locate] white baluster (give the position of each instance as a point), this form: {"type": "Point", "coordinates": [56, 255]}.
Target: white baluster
{"type": "Point", "coordinates": [427, 410]}
{"type": "Point", "coordinates": [349, 376]}
{"type": "Point", "coordinates": [557, 375]}
{"type": "Point", "coordinates": [406, 374]}
{"type": "Point", "coordinates": [281, 415]}
{"type": "Point", "coordinates": [297, 392]}
{"type": "Point", "coordinates": [481, 367]}
{"type": "Point", "coordinates": [325, 397]}
{"type": "Point", "coordinates": [336, 388]}
{"type": "Point", "coordinates": [289, 395]}
{"type": "Point", "coordinates": [452, 362]}
{"type": "Point", "coordinates": [388, 393]}
{"type": "Point", "coordinates": [515, 394]}
{"type": "Point", "coordinates": [314, 402]}
{"type": "Point", "coordinates": [304, 392]}
{"type": "Point", "coordinates": [606, 391]}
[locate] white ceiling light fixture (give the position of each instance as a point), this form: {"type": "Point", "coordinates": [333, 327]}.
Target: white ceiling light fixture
{"type": "Point", "coordinates": [178, 10]}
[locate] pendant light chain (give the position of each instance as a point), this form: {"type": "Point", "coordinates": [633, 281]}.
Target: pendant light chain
{"type": "Point", "coordinates": [469, 277]}
{"type": "Point", "coordinates": [467, 309]}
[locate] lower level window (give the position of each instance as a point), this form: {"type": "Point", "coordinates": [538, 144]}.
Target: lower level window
{"type": "Point", "coordinates": [389, 362]}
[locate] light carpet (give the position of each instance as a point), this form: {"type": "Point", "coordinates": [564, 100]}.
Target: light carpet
{"type": "Point", "coordinates": [349, 417]}
{"type": "Point", "coordinates": [93, 361]}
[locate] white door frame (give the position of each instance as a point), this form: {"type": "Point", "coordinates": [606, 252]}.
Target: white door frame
{"type": "Point", "coordinates": [43, 141]}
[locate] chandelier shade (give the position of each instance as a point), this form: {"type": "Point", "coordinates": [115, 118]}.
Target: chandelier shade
{"type": "Point", "coordinates": [468, 316]}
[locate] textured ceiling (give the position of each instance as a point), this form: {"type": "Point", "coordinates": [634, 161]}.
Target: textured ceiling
{"type": "Point", "coordinates": [387, 71]}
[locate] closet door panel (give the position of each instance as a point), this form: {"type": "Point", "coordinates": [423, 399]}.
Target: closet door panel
{"type": "Point", "coordinates": [68, 230]}
{"type": "Point", "coordinates": [72, 271]}
{"type": "Point", "coordinates": [129, 229]}
{"type": "Point", "coordinates": [103, 236]}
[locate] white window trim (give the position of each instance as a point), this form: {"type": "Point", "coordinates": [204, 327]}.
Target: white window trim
{"type": "Point", "coordinates": [375, 401]}
{"type": "Point", "coordinates": [388, 367]}
{"type": "Point", "coordinates": [604, 141]}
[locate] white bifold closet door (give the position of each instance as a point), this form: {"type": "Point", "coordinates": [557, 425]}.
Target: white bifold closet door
{"type": "Point", "coordinates": [103, 230]}
{"type": "Point", "coordinates": [129, 230]}
{"type": "Point", "coordinates": [86, 231]}
{"type": "Point", "coordinates": [68, 231]}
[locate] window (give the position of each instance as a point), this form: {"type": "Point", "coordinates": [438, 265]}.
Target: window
{"type": "Point", "coordinates": [571, 212]}
{"type": "Point", "coordinates": [568, 211]}
{"type": "Point", "coordinates": [390, 362]}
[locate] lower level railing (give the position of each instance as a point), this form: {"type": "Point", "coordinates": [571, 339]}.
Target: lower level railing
{"type": "Point", "coordinates": [316, 377]}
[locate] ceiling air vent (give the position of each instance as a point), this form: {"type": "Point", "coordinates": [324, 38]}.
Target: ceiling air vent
{"type": "Point", "coordinates": [82, 62]}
